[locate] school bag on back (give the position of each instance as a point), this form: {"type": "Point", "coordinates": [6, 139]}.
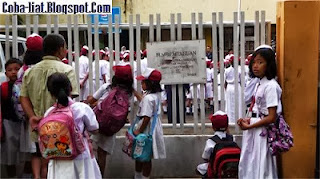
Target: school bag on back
{"type": "Point", "coordinates": [224, 159]}
{"type": "Point", "coordinates": [59, 137]}
{"type": "Point", "coordinates": [112, 112]}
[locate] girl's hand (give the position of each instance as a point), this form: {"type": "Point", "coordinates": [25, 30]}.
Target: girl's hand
{"type": "Point", "coordinates": [136, 132]}
{"type": "Point", "coordinates": [34, 120]}
{"type": "Point", "coordinates": [244, 125]}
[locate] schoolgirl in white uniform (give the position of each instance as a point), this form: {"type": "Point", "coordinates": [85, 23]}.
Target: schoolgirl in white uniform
{"type": "Point", "coordinates": [256, 160]}
{"type": "Point", "coordinates": [122, 78]}
{"type": "Point", "coordinates": [209, 90]}
{"type": "Point", "coordinates": [229, 77]}
{"type": "Point", "coordinates": [150, 103]}
{"type": "Point", "coordinates": [83, 70]}
{"type": "Point", "coordinates": [85, 164]}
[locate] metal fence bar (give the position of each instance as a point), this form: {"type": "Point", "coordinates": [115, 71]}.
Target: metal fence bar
{"type": "Point", "coordinates": [195, 86]}
{"type": "Point", "coordinates": [7, 50]}
{"type": "Point", "coordinates": [69, 39]}
{"type": "Point", "coordinates": [158, 28]}
{"type": "Point", "coordinates": [110, 45]}
{"type": "Point", "coordinates": [117, 39]}
{"type": "Point", "coordinates": [263, 27]}
{"type": "Point", "coordinates": [221, 57]}
{"type": "Point", "coordinates": [131, 48]}
{"type": "Point", "coordinates": [96, 56]}
{"type": "Point", "coordinates": [173, 87]}
{"type": "Point", "coordinates": [76, 49]}
{"type": "Point", "coordinates": [15, 36]}
{"type": "Point", "coordinates": [202, 86]}
{"type": "Point", "coordinates": [215, 61]}
{"type": "Point", "coordinates": [89, 20]}
{"type": "Point", "coordinates": [242, 54]}
{"type": "Point", "coordinates": [48, 24]}
{"type": "Point", "coordinates": [138, 47]}
{"type": "Point", "coordinates": [180, 86]}
{"type": "Point", "coordinates": [28, 26]}
{"type": "Point", "coordinates": [236, 65]}
{"type": "Point", "coordinates": [256, 30]}
{"type": "Point", "coordinates": [56, 24]}
{"type": "Point", "coordinates": [151, 28]}
{"type": "Point", "coordinates": [35, 24]}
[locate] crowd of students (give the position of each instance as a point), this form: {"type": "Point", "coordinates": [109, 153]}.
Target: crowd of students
{"type": "Point", "coordinates": [43, 82]}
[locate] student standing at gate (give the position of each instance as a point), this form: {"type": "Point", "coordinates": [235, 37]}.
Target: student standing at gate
{"type": "Point", "coordinates": [83, 70]}
{"type": "Point", "coordinates": [256, 160]}
{"type": "Point", "coordinates": [150, 103]}
{"type": "Point", "coordinates": [230, 83]}
{"type": "Point", "coordinates": [123, 79]}
{"type": "Point", "coordinates": [12, 158]}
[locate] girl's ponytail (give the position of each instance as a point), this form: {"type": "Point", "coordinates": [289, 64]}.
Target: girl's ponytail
{"type": "Point", "coordinates": [62, 97]}
{"type": "Point", "coordinates": [59, 87]}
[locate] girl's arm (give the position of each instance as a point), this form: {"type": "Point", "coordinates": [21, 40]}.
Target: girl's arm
{"type": "Point", "coordinates": [84, 81]}
{"type": "Point", "coordinates": [271, 118]}
{"type": "Point", "coordinates": [145, 123]}
{"type": "Point", "coordinates": [138, 95]}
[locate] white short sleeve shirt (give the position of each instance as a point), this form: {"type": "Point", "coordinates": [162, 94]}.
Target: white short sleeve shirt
{"type": "Point", "coordinates": [268, 94]}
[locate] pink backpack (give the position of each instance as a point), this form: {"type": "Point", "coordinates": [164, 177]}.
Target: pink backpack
{"type": "Point", "coordinates": [59, 137]}
{"type": "Point", "coordinates": [112, 112]}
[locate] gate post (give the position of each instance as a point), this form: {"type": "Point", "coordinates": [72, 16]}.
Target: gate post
{"type": "Point", "coordinates": [297, 60]}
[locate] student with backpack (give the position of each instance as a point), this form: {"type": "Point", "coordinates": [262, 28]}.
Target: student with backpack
{"type": "Point", "coordinates": [221, 153]}
{"type": "Point", "coordinates": [12, 157]}
{"type": "Point", "coordinates": [149, 119]}
{"type": "Point", "coordinates": [256, 160]}
{"type": "Point", "coordinates": [63, 134]}
{"type": "Point", "coordinates": [111, 113]}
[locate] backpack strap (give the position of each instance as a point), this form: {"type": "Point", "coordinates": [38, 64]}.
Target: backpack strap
{"type": "Point", "coordinates": [155, 116]}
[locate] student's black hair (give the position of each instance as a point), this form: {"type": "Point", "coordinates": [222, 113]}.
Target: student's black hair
{"type": "Point", "coordinates": [269, 56]}
{"type": "Point", "coordinates": [52, 43]}
{"type": "Point", "coordinates": [230, 50]}
{"type": "Point", "coordinates": [12, 61]}
{"type": "Point", "coordinates": [32, 57]}
{"type": "Point", "coordinates": [153, 86]}
{"type": "Point", "coordinates": [59, 86]}
{"type": "Point", "coordinates": [125, 84]}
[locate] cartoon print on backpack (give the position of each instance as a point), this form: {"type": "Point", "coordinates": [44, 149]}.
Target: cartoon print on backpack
{"type": "Point", "coordinates": [63, 145]}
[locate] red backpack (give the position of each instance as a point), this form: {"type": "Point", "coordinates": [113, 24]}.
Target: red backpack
{"type": "Point", "coordinates": [224, 159]}
{"type": "Point", "coordinates": [112, 112]}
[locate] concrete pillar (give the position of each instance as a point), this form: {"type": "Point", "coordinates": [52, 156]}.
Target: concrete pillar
{"type": "Point", "coordinates": [297, 58]}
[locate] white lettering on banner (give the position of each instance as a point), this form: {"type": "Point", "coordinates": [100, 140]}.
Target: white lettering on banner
{"type": "Point", "coordinates": [179, 62]}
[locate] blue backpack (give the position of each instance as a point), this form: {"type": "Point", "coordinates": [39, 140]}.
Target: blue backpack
{"type": "Point", "coordinates": [141, 144]}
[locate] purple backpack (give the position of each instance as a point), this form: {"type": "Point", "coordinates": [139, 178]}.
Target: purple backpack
{"type": "Point", "coordinates": [112, 112]}
{"type": "Point", "coordinates": [280, 138]}
{"type": "Point", "coordinates": [59, 136]}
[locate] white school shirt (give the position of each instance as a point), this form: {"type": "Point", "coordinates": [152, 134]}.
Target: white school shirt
{"type": "Point", "coordinates": [268, 94]}
{"type": "Point", "coordinates": [84, 118]}
{"type": "Point", "coordinates": [144, 64]}
{"type": "Point", "coordinates": [102, 69]}
{"type": "Point", "coordinates": [229, 75]}
{"type": "Point", "coordinates": [102, 92]}
{"type": "Point", "coordinates": [209, 74]}
{"type": "Point", "coordinates": [83, 66]}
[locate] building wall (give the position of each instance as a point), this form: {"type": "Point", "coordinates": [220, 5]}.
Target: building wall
{"type": "Point", "coordinates": [186, 7]}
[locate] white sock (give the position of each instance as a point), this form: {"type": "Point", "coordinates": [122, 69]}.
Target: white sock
{"type": "Point", "coordinates": [143, 177]}
{"type": "Point", "coordinates": [138, 175]}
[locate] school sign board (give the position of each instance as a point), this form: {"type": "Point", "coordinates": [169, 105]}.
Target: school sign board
{"type": "Point", "coordinates": [180, 62]}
